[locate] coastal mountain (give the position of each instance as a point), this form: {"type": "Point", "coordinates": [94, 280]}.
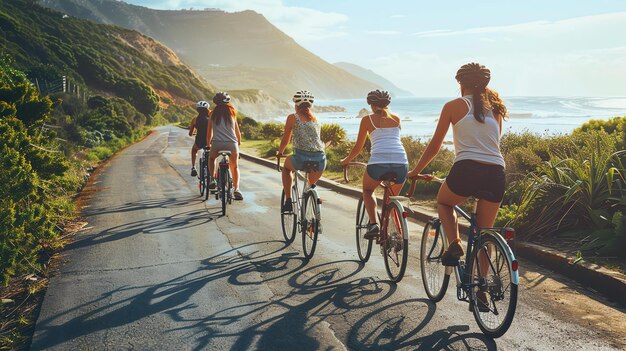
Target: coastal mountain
{"type": "Point", "coordinates": [371, 76]}
{"type": "Point", "coordinates": [239, 50]}
{"type": "Point", "coordinates": [106, 59]}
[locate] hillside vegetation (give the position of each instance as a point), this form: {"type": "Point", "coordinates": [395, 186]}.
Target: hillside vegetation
{"type": "Point", "coordinates": [239, 50]}
{"type": "Point", "coordinates": [47, 45]}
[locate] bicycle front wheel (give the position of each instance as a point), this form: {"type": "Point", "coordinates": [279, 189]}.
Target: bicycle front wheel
{"type": "Point", "coordinates": [396, 245]}
{"type": "Point", "coordinates": [289, 220]}
{"type": "Point", "coordinates": [433, 272]}
{"type": "Point", "coordinates": [363, 246]}
{"type": "Point", "coordinates": [494, 299]}
{"type": "Point", "coordinates": [310, 224]}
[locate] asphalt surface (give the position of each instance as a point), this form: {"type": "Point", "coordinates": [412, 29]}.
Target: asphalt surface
{"type": "Point", "coordinates": [158, 269]}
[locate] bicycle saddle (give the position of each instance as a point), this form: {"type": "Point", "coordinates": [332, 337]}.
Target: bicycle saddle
{"type": "Point", "coordinates": [224, 152]}
{"type": "Point", "coordinates": [389, 176]}
{"type": "Point", "coordinates": [310, 166]}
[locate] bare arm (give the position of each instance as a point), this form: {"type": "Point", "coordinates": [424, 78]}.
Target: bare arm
{"type": "Point", "coordinates": [360, 141]}
{"type": "Point", "coordinates": [237, 132]}
{"type": "Point", "coordinates": [291, 120]}
{"type": "Point", "coordinates": [192, 126]}
{"type": "Point", "coordinates": [435, 143]}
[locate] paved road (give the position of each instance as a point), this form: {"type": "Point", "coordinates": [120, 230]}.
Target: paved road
{"type": "Point", "coordinates": [157, 269]}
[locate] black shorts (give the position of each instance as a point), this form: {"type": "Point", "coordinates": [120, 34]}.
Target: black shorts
{"type": "Point", "coordinates": [483, 181]}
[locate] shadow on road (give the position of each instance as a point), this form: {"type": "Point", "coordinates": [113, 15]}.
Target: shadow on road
{"type": "Point", "coordinates": [297, 316]}
{"type": "Point", "coordinates": [164, 224]}
{"type": "Point", "coordinates": [172, 202]}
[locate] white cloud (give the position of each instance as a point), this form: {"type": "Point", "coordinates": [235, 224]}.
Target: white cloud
{"type": "Point", "coordinates": [397, 16]}
{"type": "Point", "coordinates": [383, 32]}
{"type": "Point", "coordinates": [535, 26]}
{"type": "Point", "coordinates": [303, 24]}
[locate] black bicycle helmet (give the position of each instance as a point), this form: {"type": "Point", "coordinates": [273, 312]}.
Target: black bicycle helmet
{"type": "Point", "coordinates": [473, 75]}
{"type": "Point", "coordinates": [221, 98]}
{"type": "Point", "coordinates": [202, 104]}
{"type": "Point", "coordinates": [379, 98]}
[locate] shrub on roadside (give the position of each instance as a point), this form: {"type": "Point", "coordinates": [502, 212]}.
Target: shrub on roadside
{"type": "Point", "coordinates": [582, 194]}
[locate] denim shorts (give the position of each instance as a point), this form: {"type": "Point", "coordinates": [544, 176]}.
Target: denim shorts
{"type": "Point", "coordinates": [299, 157]}
{"type": "Point", "coordinates": [382, 171]}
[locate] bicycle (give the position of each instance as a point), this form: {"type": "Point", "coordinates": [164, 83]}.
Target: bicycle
{"type": "Point", "coordinates": [485, 246]}
{"type": "Point", "coordinates": [203, 174]}
{"type": "Point", "coordinates": [394, 234]}
{"type": "Point", "coordinates": [224, 181]}
{"type": "Point", "coordinates": [306, 215]}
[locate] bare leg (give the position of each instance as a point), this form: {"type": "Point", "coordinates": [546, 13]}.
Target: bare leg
{"type": "Point", "coordinates": [314, 177]}
{"type": "Point", "coordinates": [194, 152]}
{"type": "Point", "coordinates": [234, 168]}
{"type": "Point", "coordinates": [212, 157]}
{"type": "Point", "coordinates": [287, 177]}
{"type": "Point", "coordinates": [486, 214]}
{"type": "Point", "coordinates": [369, 185]}
{"type": "Point", "coordinates": [446, 200]}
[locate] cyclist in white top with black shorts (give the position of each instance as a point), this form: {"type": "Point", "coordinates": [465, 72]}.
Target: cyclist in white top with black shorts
{"type": "Point", "coordinates": [388, 157]}
{"type": "Point", "coordinates": [478, 168]}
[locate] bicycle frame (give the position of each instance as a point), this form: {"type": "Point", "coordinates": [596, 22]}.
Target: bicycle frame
{"type": "Point", "coordinates": [462, 271]}
{"type": "Point", "coordinates": [305, 189]}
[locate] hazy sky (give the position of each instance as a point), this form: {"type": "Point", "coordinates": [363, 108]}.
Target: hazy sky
{"type": "Point", "coordinates": [556, 47]}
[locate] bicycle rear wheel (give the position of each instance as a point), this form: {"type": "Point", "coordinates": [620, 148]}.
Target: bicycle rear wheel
{"type": "Point", "coordinates": [223, 181]}
{"type": "Point", "coordinates": [396, 245]}
{"type": "Point", "coordinates": [363, 246]}
{"type": "Point", "coordinates": [201, 178]}
{"type": "Point", "coordinates": [207, 179]}
{"type": "Point", "coordinates": [433, 272]}
{"type": "Point", "coordinates": [310, 224]}
{"type": "Point", "coordinates": [491, 267]}
{"type": "Point", "coordinates": [289, 220]}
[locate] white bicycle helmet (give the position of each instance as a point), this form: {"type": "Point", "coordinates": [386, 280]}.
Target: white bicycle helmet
{"type": "Point", "coordinates": [202, 104]}
{"type": "Point", "coordinates": [302, 97]}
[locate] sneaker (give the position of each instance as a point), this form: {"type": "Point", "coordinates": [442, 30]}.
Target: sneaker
{"type": "Point", "coordinates": [482, 301]}
{"type": "Point", "coordinates": [194, 173]}
{"type": "Point", "coordinates": [451, 256]}
{"type": "Point", "coordinates": [287, 206]}
{"type": "Point", "coordinates": [237, 194]}
{"type": "Point", "coordinates": [212, 184]}
{"type": "Point", "coordinates": [372, 231]}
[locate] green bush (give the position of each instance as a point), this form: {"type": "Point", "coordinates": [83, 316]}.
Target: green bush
{"type": "Point", "coordinates": [578, 194]}
{"type": "Point", "coordinates": [272, 131]}
{"type": "Point", "coordinates": [28, 175]}
{"type": "Point", "coordinates": [332, 134]}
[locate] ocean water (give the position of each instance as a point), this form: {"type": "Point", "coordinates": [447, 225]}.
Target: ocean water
{"type": "Point", "coordinates": [546, 115]}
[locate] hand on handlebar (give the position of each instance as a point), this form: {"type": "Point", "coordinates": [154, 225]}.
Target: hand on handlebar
{"type": "Point", "coordinates": [426, 177]}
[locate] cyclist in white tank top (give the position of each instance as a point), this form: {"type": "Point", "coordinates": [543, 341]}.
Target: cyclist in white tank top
{"type": "Point", "coordinates": [478, 168]}
{"type": "Point", "coordinates": [388, 156]}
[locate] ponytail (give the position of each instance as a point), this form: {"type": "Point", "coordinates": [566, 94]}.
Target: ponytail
{"type": "Point", "coordinates": [384, 110]}
{"type": "Point", "coordinates": [223, 111]}
{"type": "Point", "coordinates": [479, 104]}
{"type": "Point", "coordinates": [304, 109]}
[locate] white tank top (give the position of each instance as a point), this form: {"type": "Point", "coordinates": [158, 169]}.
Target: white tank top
{"type": "Point", "coordinates": [477, 141]}
{"type": "Point", "coordinates": [386, 146]}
